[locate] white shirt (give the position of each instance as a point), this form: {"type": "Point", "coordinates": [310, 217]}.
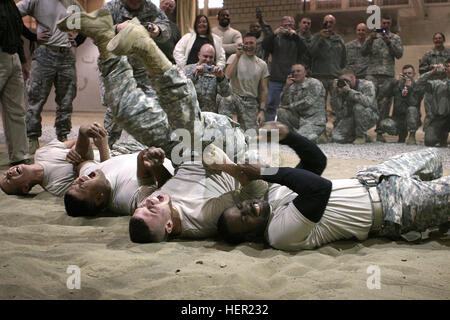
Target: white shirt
{"type": "Point", "coordinates": [121, 172]}
{"type": "Point", "coordinates": [58, 173]}
{"type": "Point", "coordinates": [201, 198]}
{"type": "Point", "coordinates": [348, 214]}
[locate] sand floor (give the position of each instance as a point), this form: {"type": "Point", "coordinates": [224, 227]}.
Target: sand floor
{"type": "Point", "coordinates": [39, 242]}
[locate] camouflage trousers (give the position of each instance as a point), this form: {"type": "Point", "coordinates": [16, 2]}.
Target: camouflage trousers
{"type": "Point", "coordinates": [150, 119]}
{"type": "Point", "coordinates": [383, 103]}
{"type": "Point", "coordinates": [413, 193]}
{"type": "Point", "coordinates": [246, 109]}
{"type": "Point", "coordinates": [51, 66]}
{"type": "Point", "coordinates": [436, 130]}
{"type": "Point", "coordinates": [328, 85]}
{"type": "Point", "coordinates": [143, 82]}
{"type": "Point", "coordinates": [309, 127]}
{"type": "Point", "coordinates": [406, 122]}
{"type": "Point", "coordinates": [354, 125]}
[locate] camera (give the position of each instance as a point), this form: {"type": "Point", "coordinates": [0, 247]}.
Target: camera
{"type": "Point", "coordinates": [382, 31]}
{"type": "Point", "coordinates": [341, 83]}
{"type": "Point", "coordinates": [149, 26]}
{"type": "Point", "coordinates": [208, 69]}
{"type": "Point", "coordinates": [325, 26]}
{"type": "Point", "coordinates": [405, 77]}
{"type": "Point", "coordinates": [245, 48]}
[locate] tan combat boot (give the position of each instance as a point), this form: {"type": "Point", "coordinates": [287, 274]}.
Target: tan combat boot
{"type": "Point", "coordinates": [411, 139]}
{"type": "Point", "coordinates": [135, 40]}
{"type": "Point", "coordinates": [33, 144]}
{"type": "Point", "coordinates": [322, 138]}
{"type": "Point", "coordinates": [97, 25]}
{"type": "Point", "coordinates": [380, 138]}
{"type": "Point", "coordinates": [359, 140]}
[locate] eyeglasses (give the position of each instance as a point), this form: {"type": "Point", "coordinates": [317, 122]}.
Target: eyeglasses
{"type": "Point", "coordinates": [287, 24]}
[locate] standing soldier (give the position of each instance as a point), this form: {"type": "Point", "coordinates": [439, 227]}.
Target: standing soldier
{"type": "Point", "coordinates": [53, 64]}
{"type": "Point", "coordinates": [355, 60]}
{"type": "Point", "coordinates": [209, 80]}
{"type": "Point", "coordinates": [382, 48]}
{"type": "Point", "coordinates": [329, 57]}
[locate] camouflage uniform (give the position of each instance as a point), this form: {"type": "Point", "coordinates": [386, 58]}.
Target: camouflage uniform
{"type": "Point", "coordinates": [381, 68]}
{"type": "Point", "coordinates": [51, 66]}
{"type": "Point", "coordinates": [437, 120]}
{"type": "Point", "coordinates": [431, 57]}
{"type": "Point", "coordinates": [306, 58]}
{"type": "Point", "coordinates": [328, 56]}
{"type": "Point", "coordinates": [150, 119]}
{"type": "Point", "coordinates": [305, 112]}
{"type": "Point", "coordinates": [246, 109]}
{"type": "Point", "coordinates": [355, 60]}
{"type": "Point", "coordinates": [406, 113]}
{"type": "Point", "coordinates": [208, 86]}
{"type": "Point", "coordinates": [413, 195]}
{"type": "Point", "coordinates": [147, 13]}
{"type": "Point", "coordinates": [355, 112]}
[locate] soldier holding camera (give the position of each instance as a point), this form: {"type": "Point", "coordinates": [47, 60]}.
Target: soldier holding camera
{"type": "Point", "coordinates": [209, 80]}
{"type": "Point", "coordinates": [302, 106]}
{"type": "Point", "coordinates": [249, 76]}
{"type": "Point", "coordinates": [353, 100]}
{"type": "Point", "coordinates": [382, 47]}
{"type": "Point", "coordinates": [437, 119]}
{"type": "Point", "coordinates": [406, 113]}
{"type": "Point", "coordinates": [329, 56]}
{"type": "Point", "coordinates": [287, 48]}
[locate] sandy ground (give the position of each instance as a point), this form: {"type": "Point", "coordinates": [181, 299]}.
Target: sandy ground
{"type": "Point", "coordinates": [39, 242]}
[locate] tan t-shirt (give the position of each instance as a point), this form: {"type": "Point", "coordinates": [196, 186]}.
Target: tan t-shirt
{"type": "Point", "coordinates": [200, 198]}
{"type": "Point", "coordinates": [348, 214]}
{"type": "Point", "coordinates": [250, 71]}
{"type": "Point", "coordinates": [58, 173]}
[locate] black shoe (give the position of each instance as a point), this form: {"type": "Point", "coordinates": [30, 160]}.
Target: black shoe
{"type": "Point", "coordinates": [24, 161]}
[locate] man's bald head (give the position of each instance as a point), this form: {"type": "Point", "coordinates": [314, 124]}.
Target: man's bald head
{"type": "Point", "coordinates": [206, 54]}
{"type": "Point", "coordinates": [330, 20]}
{"type": "Point", "coordinates": [361, 31]}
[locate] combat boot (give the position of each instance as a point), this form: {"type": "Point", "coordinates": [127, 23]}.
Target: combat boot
{"type": "Point", "coordinates": [359, 140]}
{"type": "Point", "coordinates": [97, 25]}
{"type": "Point", "coordinates": [135, 40]}
{"type": "Point", "coordinates": [322, 138]}
{"type": "Point", "coordinates": [380, 138]}
{"type": "Point", "coordinates": [411, 139]}
{"type": "Point", "coordinates": [33, 144]}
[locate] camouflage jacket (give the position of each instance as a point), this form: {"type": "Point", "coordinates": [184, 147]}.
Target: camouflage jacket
{"type": "Point", "coordinates": [363, 94]}
{"type": "Point", "coordinates": [381, 55]}
{"type": "Point", "coordinates": [433, 57]}
{"type": "Point", "coordinates": [355, 60]}
{"type": "Point", "coordinates": [147, 13]}
{"type": "Point", "coordinates": [208, 87]}
{"type": "Point", "coordinates": [404, 97]}
{"type": "Point", "coordinates": [439, 91]}
{"type": "Point", "coordinates": [306, 99]}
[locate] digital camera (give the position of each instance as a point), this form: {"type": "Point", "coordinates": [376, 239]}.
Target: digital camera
{"type": "Point", "coordinates": [382, 31]}
{"type": "Point", "coordinates": [245, 48]}
{"type": "Point", "coordinates": [341, 83]}
{"type": "Point", "coordinates": [208, 69]}
{"type": "Point", "coordinates": [149, 26]}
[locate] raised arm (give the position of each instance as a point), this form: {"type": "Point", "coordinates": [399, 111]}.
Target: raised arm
{"type": "Point", "coordinates": [150, 168]}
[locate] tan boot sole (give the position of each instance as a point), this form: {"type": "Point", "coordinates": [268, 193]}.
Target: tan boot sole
{"type": "Point", "coordinates": [121, 44]}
